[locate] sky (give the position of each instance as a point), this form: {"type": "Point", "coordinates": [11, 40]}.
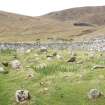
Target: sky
{"type": "Point", "coordinates": [40, 7]}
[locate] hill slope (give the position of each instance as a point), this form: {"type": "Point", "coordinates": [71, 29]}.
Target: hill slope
{"type": "Point", "coordinates": [56, 25]}
{"type": "Point", "coordinates": [93, 15]}
{"type": "Point", "coordinates": [18, 28]}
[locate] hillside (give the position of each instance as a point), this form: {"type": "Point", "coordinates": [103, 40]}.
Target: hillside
{"type": "Point", "coordinates": [19, 28]}
{"type": "Point", "coordinates": [68, 25]}
{"type": "Point", "coordinates": [92, 15]}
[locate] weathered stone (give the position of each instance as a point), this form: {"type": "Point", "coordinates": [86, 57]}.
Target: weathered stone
{"type": "Point", "coordinates": [30, 74]}
{"type": "Point", "coordinates": [2, 70]}
{"type": "Point", "coordinates": [45, 89]}
{"type": "Point", "coordinates": [72, 59]}
{"type": "Point", "coordinates": [94, 93]}
{"type": "Point", "coordinates": [20, 50]}
{"type": "Point", "coordinates": [98, 67]}
{"type": "Point", "coordinates": [16, 64]}
{"type": "Point", "coordinates": [59, 57]}
{"type": "Point", "coordinates": [22, 95]}
{"type": "Point", "coordinates": [54, 54]}
{"type": "Point", "coordinates": [49, 58]}
{"type": "Point", "coordinates": [28, 51]}
{"type": "Point", "coordinates": [43, 49]}
{"type": "Point", "coordinates": [92, 54]}
{"type": "Point", "coordinates": [5, 63]}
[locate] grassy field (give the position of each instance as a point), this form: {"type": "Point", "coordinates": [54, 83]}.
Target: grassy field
{"type": "Point", "coordinates": [55, 81]}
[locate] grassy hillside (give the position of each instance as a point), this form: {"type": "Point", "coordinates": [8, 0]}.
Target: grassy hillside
{"type": "Point", "coordinates": [18, 28]}
{"type": "Point", "coordinates": [91, 14]}
{"type": "Point", "coordinates": [55, 83]}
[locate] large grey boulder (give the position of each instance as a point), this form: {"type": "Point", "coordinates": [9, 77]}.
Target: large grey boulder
{"type": "Point", "coordinates": [94, 93]}
{"type": "Point", "coordinates": [22, 95]}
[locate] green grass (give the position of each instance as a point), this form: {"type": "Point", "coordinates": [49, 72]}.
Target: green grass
{"type": "Point", "coordinates": [67, 83]}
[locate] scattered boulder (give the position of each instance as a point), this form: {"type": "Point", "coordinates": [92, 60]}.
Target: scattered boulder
{"type": "Point", "coordinates": [2, 70]}
{"type": "Point", "coordinates": [28, 51]}
{"type": "Point", "coordinates": [45, 89]}
{"type": "Point", "coordinates": [16, 64]}
{"type": "Point", "coordinates": [59, 57]}
{"type": "Point", "coordinates": [43, 49]}
{"type": "Point", "coordinates": [22, 95]}
{"type": "Point", "coordinates": [30, 75]}
{"type": "Point", "coordinates": [5, 64]}
{"type": "Point", "coordinates": [92, 54]}
{"type": "Point", "coordinates": [54, 54]}
{"type": "Point", "coordinates": [20, 50]}
{"type": "Point", "coordinates": [49, 58]}
{"type": "Point", "coordinates": [80, 62]}
{"type": "Point", "coordinates": [94, 93]}
{"type": "Point", "coordinates": [98, 67]}
{"type": "Point", "coordinates": [42, 83]}
{"type": "Point", "coordinates": [72, 59]}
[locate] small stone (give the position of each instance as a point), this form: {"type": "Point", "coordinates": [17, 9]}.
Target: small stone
{"type": "Point", "coordinates": [72, 59]}
{"type": "Point", "coordinates": [2, 70]}
{"type": "Point", "coordinates": [94, 93]}
{"type": "Point", "coordinates": [16, 64]}
{"type": "Point", "coordinates": [22, 95]}
{"type": "Point", "coordinates": [45, 89]}
{"type": "Point", "coordinates": [42, 83]}
{"type": "Point", "coordinates": [30, 76]}
{"type": "Point", "coordinates": [28, 51]}
{"type": "Point", "coordinates": [20, 50]}
{"type": "Point", "coordinates": [5, 64]}
{"type": "Point", "coordinates": [59, 57]}
{"type": "Point", "coordinates": [43, 49]}
{"type": "Point", "coordinates": [80, 62]}
{"type": "Point", "coordinates": [98, 67]}
{"type": "Point", "coordinates": [49, 58]}
{"type": "Point", "coordinates": [54, 54]}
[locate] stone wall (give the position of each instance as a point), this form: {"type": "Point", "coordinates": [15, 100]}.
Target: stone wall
{"type": "Point", "coordinates": [97, 44]}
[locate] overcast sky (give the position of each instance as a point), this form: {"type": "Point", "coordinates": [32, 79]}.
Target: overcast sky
{"type": "Point", "coordinates": [40, 7]}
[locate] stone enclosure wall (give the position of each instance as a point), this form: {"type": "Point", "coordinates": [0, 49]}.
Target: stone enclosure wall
{"type": "Point", "coordinates": [97, 44]}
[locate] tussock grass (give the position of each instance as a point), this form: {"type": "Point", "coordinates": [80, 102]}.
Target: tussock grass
{"type": "Point", "coordinates": [67, 83]}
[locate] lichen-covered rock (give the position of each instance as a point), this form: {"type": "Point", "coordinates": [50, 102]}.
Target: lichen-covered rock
{"type": "Point", "coordinates": [94, 93]}
{"type": "Point", "coordinates": [22, 95]}
{"type": "Point", "coordinates": [16, 64]}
